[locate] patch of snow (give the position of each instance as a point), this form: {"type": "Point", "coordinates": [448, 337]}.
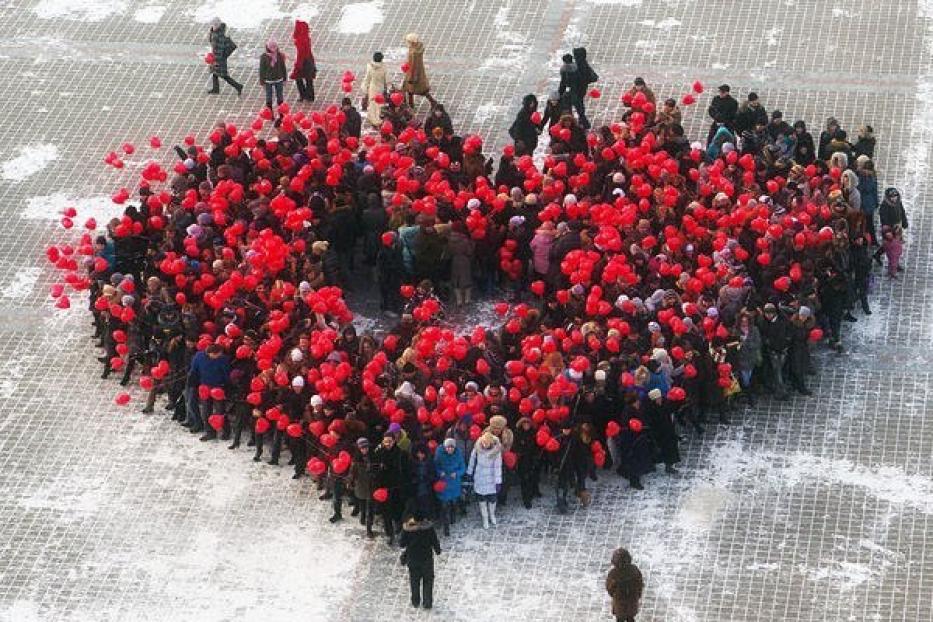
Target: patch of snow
{"type": "Point", "coordinates": [49, 207]}
{"type": "Point", "coordinates": [615, 2]}
{"type": "Point", "coordinates": [306, 11]}
{"type": "Point", "coordinates": [21, 611]}
{"type": "Point", "coordinates": [772, 36]}
{"type": "Point", "coordinates": [485, 112]}
{"type": "Point", "coordinates": [244, 14]}
{"type": "Point", "coordinates": [82, 11]}
{"type": "Point", "coordinates": [721, 65]}
{"type": "Point", "coordinates": [22, 284]}
{"type": "Point", "coordinates": [151, 14]}
{"type": "Point", "coordinates": [845, 575]}
{"type": "Point", "coordinates": [30, 161]}
{"type": "Point", "coordinates": [667, 24]}
{"type": "Point", "coordinates": [513, 46]}
{"type": "Point", "coordinates": [360, 17]}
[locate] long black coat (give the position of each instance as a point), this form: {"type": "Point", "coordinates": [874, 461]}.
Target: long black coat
{"type": "Point", "coordinates": [523, 128]}
{"type": "Point", "coordinates": [419, 539]}
{"type": "Point", "coordinates": [663, 431]}
{"type": "Point", "coordinates": [636, 451]}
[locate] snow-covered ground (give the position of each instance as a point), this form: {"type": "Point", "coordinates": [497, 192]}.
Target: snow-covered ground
{"type": "Point", "coordinates": [814, 509]}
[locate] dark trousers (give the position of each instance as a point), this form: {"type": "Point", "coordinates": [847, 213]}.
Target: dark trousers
{"type": "Point", "coordinates": [305, 89]}
{"type": "Point", "coordinates": [338, 495]}
{"type": "Point", "coordinates": [580, 106]}
{"type": "Point", "coordinates": [215, 82]}
{"type": "Point", "coordinates": [422, 580]}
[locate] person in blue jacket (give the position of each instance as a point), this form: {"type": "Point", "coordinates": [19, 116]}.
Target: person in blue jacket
{"type": "Point", "coordinates": [450, 466]}
{"type": "Point", "coordinates": [211, 368]}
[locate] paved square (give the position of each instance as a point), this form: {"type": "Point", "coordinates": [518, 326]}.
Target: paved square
{"type": "Point", "coordinates": [816, 509]}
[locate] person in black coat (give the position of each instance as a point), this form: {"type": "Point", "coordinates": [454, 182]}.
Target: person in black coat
{"type": "Point", "coordinates": [751, 113]}
{"type": "Point", "coordinates": [420, 541]}
{"type": "Point", "coordinates": [723, 109]}
{"type": "Point", "coordinates": [636, 451]}
{"type": "Point", "coordinates": [773, 329]}
{"type": "Point", "coordinates": [572, 464]}
{"type": "Point", "coordinates": [353, 124]}
{"type": "Point", "coordinates": [661, 422]}
{"type": "Point", "coordinates": [572, 89]}
{"type": "Point", "coordinates": [804, 149]}
{"type": "Point", "coordinates": [529, 460]}
{"type": "Point", "coordinates": [891, 212]}
{"type": "Point", "coordinates": [392, 470]}
{"type": "Point", "coordinates": [524, 131]}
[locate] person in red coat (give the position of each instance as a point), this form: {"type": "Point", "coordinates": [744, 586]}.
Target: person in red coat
{"type": "Point", "coordinates": [305, 68]}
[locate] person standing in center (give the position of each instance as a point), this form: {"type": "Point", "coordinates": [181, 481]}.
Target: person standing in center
{"type": "Point", "coordinates": [305, 70]}
{"type": "Point", "coordinates": [625, 585]}
{"type": "Point", "coordinates": [416, 78]}
{"type": "Point", "coordinates": [419, 539]}
{"type": "Point", "coordinates": [374, 85]}
{"type": "Point", "coordinates": [272, 73]}
{"type": "Point", "coordinates": [222, 47]}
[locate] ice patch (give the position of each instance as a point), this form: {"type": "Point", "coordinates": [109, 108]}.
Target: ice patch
{"type": "Point", "coordinates": [667, 24]}
{"type": "Point", "coordinates": [22, 284]}
{"type": "Point", "coordinates": [30, 161]}
{"type": "Point", "coordinates": [50, 207]}
{"type": "Point", "coordinates": [360, 17]}
{"type": "Point", "coordinates": [846, 575]}
{"type": "Point", "coordinates": [485, 112]}
{"type": "Point", "coordinates": [79, 10]}
{"type": "Point", "coordinates": [305, 11]}
{"type": "Point", "coordinates": [513, 46]}
{"type": "Point", "coordinates": [151, 14]}
{"type": "Point", "coordinates": [21, 611]}
{"type": "Point", "coordinates": [238, 13]}
{"type": "Point", "coordinates": [772, 36]}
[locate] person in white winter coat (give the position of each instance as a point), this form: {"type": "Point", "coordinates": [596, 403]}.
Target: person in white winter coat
{"type": "Point", "coordinates": [486, 469]}
{"type": "Point", "coordinates": [374, 83]}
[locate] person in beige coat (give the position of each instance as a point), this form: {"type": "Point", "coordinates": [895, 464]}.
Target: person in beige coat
{"type": "Point", "coordinates": [374, 83]}
{"type": "Point", "coordinates": [416, 78]}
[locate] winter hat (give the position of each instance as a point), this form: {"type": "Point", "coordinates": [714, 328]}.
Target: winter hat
{"type": "Point", "coordinates": [296, 355]}
{"type": "Point", "coordinates": [654, 394]}
{"type": "Point", "coordinates": [298, 381]}
{"type": "Point", "coordinates": [362, 442]}
{"type": "Point", "coordinates": [804, 311]}
{"type": "Point", "coordinates": [498, 422]}
{"type": "Point", "coordinates": [712, 312]}
{"type": "Point", "coordinates": [320, 247]}
{"type": "Point", "coordinates": [600, 375]}
{"type": "Point", "coordinates": [531, 199]}
{"type": "Point", "coordinates": [304, 286]}
{"type": "Point", "coordinates": [516, 221]}
{"type": "Point", "coordinates": [316, 401]}
{"type": "Point", "coordinates": [575, 375]}
{"type": "Point", "coordinates": [473, 203]}
{"type": "Point", "coordinates": [654, 327]}
{"type": "Point", "coordinates": [471, 386]}
{"type": "Point", "coordinates": [394, 428]}
{"type": "Point", "coordinates": [449, 442]}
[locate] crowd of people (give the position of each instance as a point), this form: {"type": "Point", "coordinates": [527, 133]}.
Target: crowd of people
{"type": "Point", "coordinates": [648, 285]}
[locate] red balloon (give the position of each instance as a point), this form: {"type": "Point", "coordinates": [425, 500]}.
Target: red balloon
{"type": "Point", "coordinates": [816, 335]}
{"type": "Point", "coordinates": [262, 425]}
{"type": "Point", "coordinates": [612, 429]}
{"type": "Point", "coordinates": [635, 425]}
{"type": "Point", "coordinates": [122, 399]}
{"type": "Point", "coordinates": [380, 495]}
{"type": "Point", "coordinates": [216, 421]}
{"type": "Point", "coordinates": [316, 467]}
{"type": "Point", "coordinates": [439, 486]}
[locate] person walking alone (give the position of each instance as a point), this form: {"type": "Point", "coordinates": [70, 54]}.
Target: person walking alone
{"type": "Point", "coordinates": [416, 78]}
{"type": "Point", "coordinates": [305, 70]}
{"type": "Point", "coordinates": [222, 47]}
{"type": "Point", "coordinates": [374, 86]}
{"type": "Point", "coordinates": [625, 585]}
{"type": "Point", "coordinates": [272, 74]}
{"type": "Point", "coordinates": [419, 539]}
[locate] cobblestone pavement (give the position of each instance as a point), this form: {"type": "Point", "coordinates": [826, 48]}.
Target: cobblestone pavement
{"type": "Point", "coordinates": [814, 509]}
